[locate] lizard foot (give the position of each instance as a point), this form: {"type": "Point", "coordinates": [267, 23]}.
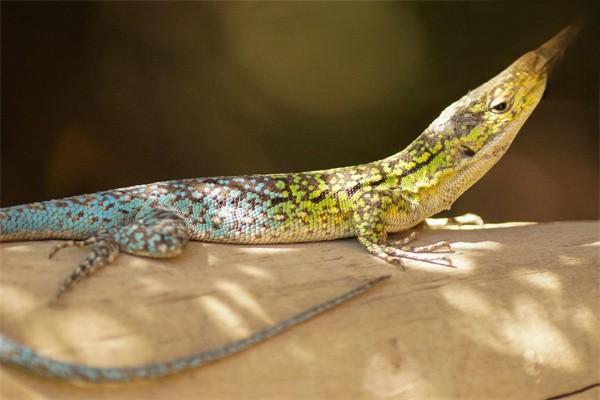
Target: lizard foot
{"type": "Point", "coordinates": [71, 243]}
{"type": "Point", "coordinates": [395, 255]}
{"type": "Point", "coordinates": [153, 233]}
{"type": "Point", "coordinates": [104, 252]}
{"type": "Point", "coordinates": [418, 255]}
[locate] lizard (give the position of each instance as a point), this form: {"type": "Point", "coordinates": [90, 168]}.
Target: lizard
{"type": "Point", "coordinates": [367, 201]}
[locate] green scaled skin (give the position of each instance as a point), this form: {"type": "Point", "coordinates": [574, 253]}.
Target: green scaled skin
{"type": "Point", "coordinates": [367, 201]}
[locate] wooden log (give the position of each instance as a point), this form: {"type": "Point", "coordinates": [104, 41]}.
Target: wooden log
{"type": "Point", "coordinates": [518, 318]}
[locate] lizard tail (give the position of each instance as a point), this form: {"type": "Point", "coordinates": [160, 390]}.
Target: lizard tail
{"type": "Point", "coordinates": [75, 217]}
{"type": "Point", "coordinates": [22, 356]}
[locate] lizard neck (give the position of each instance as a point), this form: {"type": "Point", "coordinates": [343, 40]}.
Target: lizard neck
{"type": "Point", "coordinates": [431, 173]}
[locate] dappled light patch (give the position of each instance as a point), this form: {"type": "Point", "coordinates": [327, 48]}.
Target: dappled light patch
{"type": "Point", "coordinates": [243, 299]}
{"type": "Point", "coordinates": [586, 320]}
{"type": "Point", "coordinates": [273, 249]}
{"type": "Point", "coordinates": [225, 317]}
{"type": "Point", "coordinates": [17, 248]}
{"type": "Point", "coordinates": [523, 329]}
{"type": "Point", "coordinates": [385, 377]}
{"type": "Point", "coordinates": [467, 300]}
{"type": "Point", "coordinates": [61, 331]}
{"type": "Point", "coordinates": [465, 255]}
{"type": "Point", "coordinates": [483, 245]}
{"type": "Point", "coordinates": [529, 331]}
{"type": "Point", "coordinates": [570, 260]}
{"type": "Point", "coordinates": [445, 224]}
{"type": "Point", "coordinates": [254, 272]}
{"type": "Point", "coordinates": [592, 244]}
{"type": "Point", "coordinates": [16, 298]}
{"type": "Point", "coordinates": [540, 279]}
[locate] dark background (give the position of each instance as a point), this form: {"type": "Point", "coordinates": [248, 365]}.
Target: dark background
{"type": "Point", "coordinates": [102, 95]}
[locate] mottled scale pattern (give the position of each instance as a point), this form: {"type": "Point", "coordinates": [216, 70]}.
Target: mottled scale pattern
{"type": "Point", "coordinates": [76, 217]}
{"type": "Point", "coordinates": [368, 201]}
{"type": "Point", "coordinates": [242, 209]}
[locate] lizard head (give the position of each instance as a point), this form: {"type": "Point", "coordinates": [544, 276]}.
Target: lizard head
{"type": "Point", "coordinates": [473, 133]}
{"type": "Point", "coordinates": [488, 118]}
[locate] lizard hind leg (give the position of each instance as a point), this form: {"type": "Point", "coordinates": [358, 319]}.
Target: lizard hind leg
{"type": "Point", "coordinates": [153, 233]}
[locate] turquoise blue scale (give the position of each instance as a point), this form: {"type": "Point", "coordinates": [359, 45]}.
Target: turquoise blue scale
{"type": "Point", "coordinates": [220, 209]}
{"type": "Point", "coordinates": [76, 217]}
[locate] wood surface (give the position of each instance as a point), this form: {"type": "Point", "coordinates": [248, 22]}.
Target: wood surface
{"type": "Point", "coordinates": [518, 318]}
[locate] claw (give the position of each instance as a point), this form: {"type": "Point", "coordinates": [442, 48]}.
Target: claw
{"type": "Point", "coordinates": [438, 246]}
{"type": "Point", "coordinates": [447, 262]}
{"type": "Point", "coordinates": [444, 261]}
{"type": "Point", "coordinates": [396, 261]}
{"type": "Point", "coordinates": [394, 255]}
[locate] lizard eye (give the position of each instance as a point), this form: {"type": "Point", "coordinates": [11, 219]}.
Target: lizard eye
{"type": "Point", "coordinates": [466, 150]}
{"type": "Point", "coordinates": [499, 107]}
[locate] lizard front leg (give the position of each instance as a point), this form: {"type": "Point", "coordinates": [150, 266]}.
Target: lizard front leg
{"type": "Point", "coordinates": [155, 233]}
{"type": "Point", "coordinates": [369, 222]}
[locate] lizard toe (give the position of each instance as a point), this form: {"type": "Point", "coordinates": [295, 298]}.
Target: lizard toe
{"type": "Point", "coordinates": [71, 243]}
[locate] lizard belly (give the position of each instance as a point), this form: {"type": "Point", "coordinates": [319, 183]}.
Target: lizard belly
{"type": "Point", "coordinates": [274, 229]}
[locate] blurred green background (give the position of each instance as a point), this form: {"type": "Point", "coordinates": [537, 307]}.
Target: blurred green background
{"type": "Point", "coordinates": [98, 95]}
